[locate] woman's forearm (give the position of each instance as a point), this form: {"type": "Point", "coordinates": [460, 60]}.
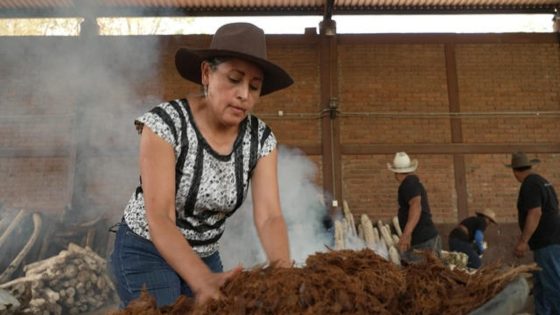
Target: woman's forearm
{"type": "Point", "coordinates": [175, 249]}
{"type": "Point", "coordinates": [274, 238]}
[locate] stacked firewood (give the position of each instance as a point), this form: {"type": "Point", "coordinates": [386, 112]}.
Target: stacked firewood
{"type": "Point", "coordinates": [73, 282]}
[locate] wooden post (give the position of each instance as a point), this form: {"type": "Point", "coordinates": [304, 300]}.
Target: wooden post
{"type": "Point", "coordinates": [330, 127]}
{"type": "Point", "coordinates": [456, 132]}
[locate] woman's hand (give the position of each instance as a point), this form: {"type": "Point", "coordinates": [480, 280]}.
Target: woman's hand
{"type": "Point", "coordinates": [209, 286]}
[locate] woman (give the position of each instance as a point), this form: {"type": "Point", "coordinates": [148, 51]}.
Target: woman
{"type": "Point", "coordinates": [197, 156]}
{"type": "Point", "coordinates": [468, 236]}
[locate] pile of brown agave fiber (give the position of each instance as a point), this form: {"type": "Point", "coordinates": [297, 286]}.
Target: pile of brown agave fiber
{"type": "Point", "coordinates": [347, 282]}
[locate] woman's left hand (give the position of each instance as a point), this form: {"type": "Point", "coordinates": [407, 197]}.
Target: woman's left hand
{"type": "Point", "coordinates": [210, 288]}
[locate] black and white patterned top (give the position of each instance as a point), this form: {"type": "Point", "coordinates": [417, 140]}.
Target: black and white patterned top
{"type": "Point", "coordinates": [209, 187]}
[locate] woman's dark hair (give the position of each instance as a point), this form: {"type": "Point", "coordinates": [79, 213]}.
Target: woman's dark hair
{"type": "Point", "coordinates": [215, 61]}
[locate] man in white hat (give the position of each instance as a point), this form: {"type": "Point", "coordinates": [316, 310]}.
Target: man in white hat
{"type": "Point", "coordinates": [415, 218]}
{"type": "Point", "coordinates": [468, 236]}
{"type": "Point", "coordinates": [539, 220]}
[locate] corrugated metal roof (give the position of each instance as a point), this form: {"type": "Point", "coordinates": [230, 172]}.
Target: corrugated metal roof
{"type": "Point", "coordinates": [269, 7]}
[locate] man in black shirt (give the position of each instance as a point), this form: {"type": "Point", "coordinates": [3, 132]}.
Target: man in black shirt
{"type": "Point", "coordinates": [468, 236]}
{"type": "Point", "coordinates": [415, 218]}
{"type": "Point", "coordinates": [539, 221]}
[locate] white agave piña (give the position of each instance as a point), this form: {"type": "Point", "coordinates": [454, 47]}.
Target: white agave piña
{"type": "Point", "coordinates": [361, 232]}
{"type": "Point", "coordinates": [394, 255]}
{"type": "Point", "coordinates": [367, 227]}
{"type": "Point", "coordinates": [349, 218]}
{"type": "Point", "coordinates": [371, 234]}
{"type": "Point", "coordinates": [385, 233]}
{"type": "Point", "coordinates": [397, 226]}
{"type": "Point", "coordinates": [376, 237]}
{"type": "Point", "coordinates": [339, 235]}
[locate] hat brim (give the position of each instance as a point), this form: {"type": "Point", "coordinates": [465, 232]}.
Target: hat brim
{"type": "Point", "coordinates": [486, 216]}
{"type": "Point", "coordinates": [413, 166]}
{"type": "Point", "coordinates": [188, 63]}
{"type": "Point", "coordinates": [531, 163]}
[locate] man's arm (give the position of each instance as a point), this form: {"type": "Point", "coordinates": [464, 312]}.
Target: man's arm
{"type": "Point", "coordinates": [531, 224]}
{"type": "Point", "coordinates": [414, 212]}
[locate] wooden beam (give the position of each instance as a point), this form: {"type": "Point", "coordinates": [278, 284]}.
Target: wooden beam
{"type": "Point", "coordinates": [456, 132]}
{"type": "Point", "coordinates": [330, 125]}
{"type": "Point", "coordinates": [427, 38]}
{"type": "Point", "coordinates": [449, 148]}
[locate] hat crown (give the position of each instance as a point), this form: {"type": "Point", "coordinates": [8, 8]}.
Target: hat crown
{"type": "Point", "coordinates": [520, 159]}
{"type": "Point", "coordinates": [489, 213]}
{"type": "Point", "coordinates": [402, 163]}
{"type": "Point", "coordinates": [401, 160]}
{"type": "Point", "coordinates": [244, 38]}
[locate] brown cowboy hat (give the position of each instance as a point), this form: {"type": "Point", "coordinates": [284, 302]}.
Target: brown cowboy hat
{"type": "Point", "coordinates": [240, 40]}
{"type": "Point", "coordinates": [519, 159]}
{"type": "Point", "coordinates": [489, 213]}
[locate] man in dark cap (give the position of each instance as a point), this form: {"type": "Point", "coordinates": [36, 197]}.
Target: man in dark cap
{"type": "Point", "coordinates": [539, 220]}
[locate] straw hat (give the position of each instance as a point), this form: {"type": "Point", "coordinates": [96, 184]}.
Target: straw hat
{"type": "Point", "coordinates": [240, 40]}
{"type": "Point", "coordinates": [489, 213]}
{"type": "Point", "coordinates": [519, 159]}
{"type": "Point", "coordinates": [402, 163]}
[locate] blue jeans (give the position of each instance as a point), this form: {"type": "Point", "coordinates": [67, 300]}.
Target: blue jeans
{"type": "Point", "coordinates": [546, 287]}
{"type": "Point", "coordinates": [457, 245]}
{"type": "Point", "coordinates": [136, 263]}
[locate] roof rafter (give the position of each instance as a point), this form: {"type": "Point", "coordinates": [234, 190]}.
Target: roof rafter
{"type": "Point", "coordinates": [327, 8]}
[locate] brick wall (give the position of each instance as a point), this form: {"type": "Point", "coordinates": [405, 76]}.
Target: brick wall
{"type": "Point", "coordinates": [513, 78]}
{"type": "Point", "coordinates": [387, 92]}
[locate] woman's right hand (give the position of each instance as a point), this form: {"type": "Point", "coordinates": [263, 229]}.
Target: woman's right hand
{"type": "Point", "coordinates": [209, 288]}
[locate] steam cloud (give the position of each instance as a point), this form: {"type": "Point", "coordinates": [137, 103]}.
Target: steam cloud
{"type": "Point", "coordinates": [303, 209]}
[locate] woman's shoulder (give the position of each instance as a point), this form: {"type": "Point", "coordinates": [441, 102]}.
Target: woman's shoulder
{"type": "Point", "coordinates": [177, 105]}
{"type": "Point", "coordinates": [254, 122]}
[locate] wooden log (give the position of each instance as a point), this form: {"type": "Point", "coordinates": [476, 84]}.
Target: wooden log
{"type": "Point", "coordinates": [70, 271]}
{"type": "Point", "coordinates": [51, 295]}
{"type": "Point", "coordinates": [32, 278]}
{"type": "Point", "coordinates": [90, 237]}
{"type": "Point", "coordinates": [15, 222]}
{"type": "Point", "coordinates": [87, 252]}
{"type": "Point", "coordinates": [5, 276]}
{"type": "Point", "coordinates": [42, 265]}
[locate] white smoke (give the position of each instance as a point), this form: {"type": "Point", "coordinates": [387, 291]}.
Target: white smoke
{"type": "Point", "coordinates": [80, 94]}
{"type": "Point", "coordinates": [302, 206]}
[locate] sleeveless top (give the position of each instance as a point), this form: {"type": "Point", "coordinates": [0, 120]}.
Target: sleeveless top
{"type": "Point", "coordinates": [209, 187]}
